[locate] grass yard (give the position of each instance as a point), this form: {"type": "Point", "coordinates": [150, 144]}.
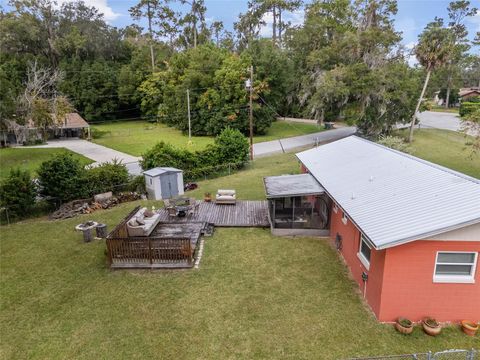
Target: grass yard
{"type": "Point", "coordinates": [255, 296]}
{"type": "Point", "coordinates": [135, 137]}
{"type": "Point", "coordinates": [446, 148]}
{"type": "Point", "coordinates": [29, 158]}
{"type": "Point", "coordinates": [438, 108]}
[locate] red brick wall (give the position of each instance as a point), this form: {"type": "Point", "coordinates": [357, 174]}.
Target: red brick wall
{"type": "Point", "coordinates": [409, 290]}
{"type": "Point", "coordinates": [350, 246]}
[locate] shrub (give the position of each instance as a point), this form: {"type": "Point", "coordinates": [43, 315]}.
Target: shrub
{"type": "Point", "coordinates": [96, 133]}
{"type": "Point", "coordinates": [474, 99]}
{"type": "Point", "coordinates": [396, 143]}
{"type": "Point", "coordinates": [232, 147]}
{"type": "Point", "coordinates": [468, 107]}
{"type": "Point", "coordinates": [106, 177]}
{"type": "Point", "coordinates": [229, 149]}
{"type": "Point", "coordinates": [62, 177]}
{"type": "Point", "coordinates": [17, 193]}
{"type": "Point", "coordinates": [163, 154]}
{"type": "Point", "coordinates": [137, 184]}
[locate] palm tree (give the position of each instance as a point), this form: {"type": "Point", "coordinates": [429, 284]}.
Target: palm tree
{"type": "Point", "coordinates": [432, 51]}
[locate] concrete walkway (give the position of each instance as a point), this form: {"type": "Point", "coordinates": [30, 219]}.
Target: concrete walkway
{"type": "Point", "coordinates": [97, 153]}
{"type": "Point", "coordinates": [288, 144]}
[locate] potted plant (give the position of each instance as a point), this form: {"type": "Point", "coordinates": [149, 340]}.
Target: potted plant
{"type": "Point", "coordinates": [431, 326]}
{"type": "Point", "coordinates": [469, 327]}
{"type": "Point", "coordinates": [207, 197]}
{"type": "Point", "coordinates": [404, 325]}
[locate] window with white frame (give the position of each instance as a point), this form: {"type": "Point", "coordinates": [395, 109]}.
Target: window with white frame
{"type": "Point", "coordinates": [364, 252]}
{"type": "Point", "coordinates": [335, 208]}
{"type": "Point", "coordinates": [455, 267]}
{"type": "Point", "coordinates": [344, 218]}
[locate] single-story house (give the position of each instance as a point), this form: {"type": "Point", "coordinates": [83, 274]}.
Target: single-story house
{"type": "Point", "coordinates": [72, 126]}
{"type": "Point", "coordinates": [408, 229]}
{"type": "Point", "coordinates": [467, 93]}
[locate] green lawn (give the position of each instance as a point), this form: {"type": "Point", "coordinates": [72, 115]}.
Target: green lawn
{"type": "Point", "coordinates": [446, 148]}
{"type": "Point", "coordinates": [29, 158]}
{"type": "Point", "coordinates": [255, 296]}
{"type": "Point", "coordinates": [438, 108]}
{"type": "Point", "coordinates": [135, 137]}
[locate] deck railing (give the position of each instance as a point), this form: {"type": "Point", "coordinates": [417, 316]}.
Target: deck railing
{"type": "Point", "coordinates": [145, 251]}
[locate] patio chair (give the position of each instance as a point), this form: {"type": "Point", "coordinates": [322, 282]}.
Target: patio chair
{"type": "Point", "coordinates": [193, 206]}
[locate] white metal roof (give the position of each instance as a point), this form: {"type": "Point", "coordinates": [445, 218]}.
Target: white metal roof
{"type": "Point", "coordinates": [291, 185]}
{"type": "Point", "coordinates": [160, 170]}
{"type": "Point", "coordinates": [393, 197]}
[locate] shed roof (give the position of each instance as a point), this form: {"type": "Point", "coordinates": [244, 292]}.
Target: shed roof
{"type": "Point", "coordinates": [393, 197]}
{"type": "Point", "coordinates": [291, 185]}
{"type": "Point", "coordinates": [161, 170]}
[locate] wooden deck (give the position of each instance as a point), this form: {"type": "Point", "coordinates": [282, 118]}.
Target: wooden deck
{"type": "Point", "coordinates": [244, 213]}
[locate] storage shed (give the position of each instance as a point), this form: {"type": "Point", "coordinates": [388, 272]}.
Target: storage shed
{"type": "Point", "coordinates": [163, 183]}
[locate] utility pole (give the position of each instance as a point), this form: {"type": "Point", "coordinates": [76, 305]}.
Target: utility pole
{"type": "Point", "coordinates": [189, 120]}
{"type": "Point", "coordinates": [251, 112]}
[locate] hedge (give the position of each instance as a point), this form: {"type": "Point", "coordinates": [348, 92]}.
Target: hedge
{"type": "Point", "coordinates": [468, 107]}
{"type": "Point", "coordinates": [230, 149]}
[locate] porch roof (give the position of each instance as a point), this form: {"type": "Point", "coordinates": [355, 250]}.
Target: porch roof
{"type": "Point", "coordinates": [291, 185]}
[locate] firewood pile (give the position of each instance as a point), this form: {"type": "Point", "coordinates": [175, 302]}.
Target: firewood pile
{"type": "Point", "coordinates": [88, 206]}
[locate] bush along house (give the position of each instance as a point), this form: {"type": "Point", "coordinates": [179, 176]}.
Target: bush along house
{"type": "Point", "coordinates": [408, 229]}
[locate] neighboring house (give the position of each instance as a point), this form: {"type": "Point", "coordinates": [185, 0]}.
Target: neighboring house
{"type": "Point", "coordinates": [72, 126]}
{"type": "Point", "coordinates": [467, 93]}
{"type": "Point", "coordinates": [408, 229]}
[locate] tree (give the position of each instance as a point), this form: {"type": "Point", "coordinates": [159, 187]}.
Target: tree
{"type": "Point", "coordinates": [432, 51]}
{"type": "Point", "coordinates": [457, 12]}
{"type": "Point", "coordinates": [147, 9]}
{"type": "Point", "coordinates": [195, 29]}
{"type": "Point", "coordinates": [216, 28]}
{"type": "Point", "coordinates": [276, 8]}
{"type": "Point", "coordinates": [248, 25]}
{"type": "Point", "coordinates": [216, 80]}
{"type": "Point", "coordinates": [43, 15]}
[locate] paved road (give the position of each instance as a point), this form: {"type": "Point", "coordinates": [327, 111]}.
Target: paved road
{"type": "Point", "coordinates": [440, 120]}
{"type": "Point", "coordinates": [97, 153]}
{"type": "Point", "coordinates": [288, 144]}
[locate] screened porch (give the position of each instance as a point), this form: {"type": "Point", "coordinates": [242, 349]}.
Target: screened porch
{"type": "Point", "coordinates": [297, 204]}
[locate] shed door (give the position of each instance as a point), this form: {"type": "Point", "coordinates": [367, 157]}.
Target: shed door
{"type": "Point", "coordinates": [169, 185]}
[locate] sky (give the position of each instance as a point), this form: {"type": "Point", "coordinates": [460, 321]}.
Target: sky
{"type": "Point", "coordinates": [411, 18]}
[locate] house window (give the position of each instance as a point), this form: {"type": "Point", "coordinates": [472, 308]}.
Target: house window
{"type": "Point", "coordinates": [335, 208]}
{"type": "Point", "coordinates": [364, 252]}
{"type": "Point", "coordinates": [344, 218]}
{"type": "Point", "coordinates": [151, 181]}
{"type": "Point", "coordinates": [455, 267]}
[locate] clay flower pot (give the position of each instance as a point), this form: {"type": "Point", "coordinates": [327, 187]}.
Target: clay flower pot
{"type": "Point", "coordinates": [431, 326]}
{"type": "Point", "coordinates": [404, 325]}
{"type": "Point", "coordinates": [469, 327]}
